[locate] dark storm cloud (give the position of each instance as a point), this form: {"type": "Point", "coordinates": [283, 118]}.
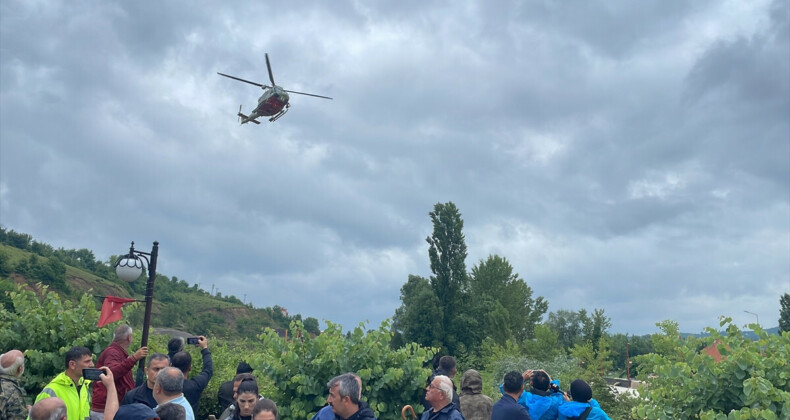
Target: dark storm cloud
{"type": "Point", "coordinates": [636, 155]}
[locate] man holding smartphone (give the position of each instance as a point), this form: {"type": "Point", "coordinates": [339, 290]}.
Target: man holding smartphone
{"type": "Point", "coordinates": [70, 386]}
{"type": "Point", "coordinates": [193, 387]}
{"type": "Point", "coordinates": [116, 358]}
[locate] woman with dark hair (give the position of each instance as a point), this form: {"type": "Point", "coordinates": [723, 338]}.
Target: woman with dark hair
{"type": "Point", "coordinates": [246, 397]}
{"type": "Point", "coordinates": [265, 409]}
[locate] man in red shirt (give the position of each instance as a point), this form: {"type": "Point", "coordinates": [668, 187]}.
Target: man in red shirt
{"type": "Point", "coordinates": [116, 358]}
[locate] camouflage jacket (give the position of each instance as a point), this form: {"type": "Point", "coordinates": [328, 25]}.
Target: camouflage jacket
{"type": "Point", "coordinates": [12, 399]}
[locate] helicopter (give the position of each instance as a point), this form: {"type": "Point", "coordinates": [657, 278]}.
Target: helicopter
{"type": "Point", "coordinates": [274, 101]}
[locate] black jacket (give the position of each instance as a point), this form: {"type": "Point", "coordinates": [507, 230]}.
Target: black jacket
{"type": "Point", "coordinates": [142, 394]}
{"type": "Point", "coordinates": [225, 395]}
{"type": "Point", "coordinates": [364, 413]}
{"type": "Point", "coordinates": [193, 387]}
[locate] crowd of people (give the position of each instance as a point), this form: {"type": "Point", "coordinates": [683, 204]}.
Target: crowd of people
{"type": "Point", "coordinates": [543, 400]}
{"type": "Point", "coordinates": [169, 394]}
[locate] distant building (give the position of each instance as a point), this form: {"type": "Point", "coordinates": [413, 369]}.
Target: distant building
{"type": "Point", "coordinates": [713, 351]}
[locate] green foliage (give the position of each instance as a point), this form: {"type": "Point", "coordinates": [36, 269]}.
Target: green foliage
{"type": "Point", "coordinates": [637, 345]}
{"type": "Point", "coordinates": [503, 359]}
{"type": "Point", "coordinates": [5, 264]}
{"type": "Point", "coordinates": [545, 345]}
{"type": "Point", "coordinates": [784, 313]}
{"type": "Point", "coordinates": [456, 310]}
{"type": "Point", "coordinates": [46, 327]}
{"type": "Point", "coordinates": [420, 315]}
{"type": "Point", "coordinates": [752, 380]}
{"type": "Point", "coordinates": [447, 253]}
{"type": "Point", "coordinates": [300, 367]}
{"type": "Point", "coordinates": [505, 300]}
{"type": "Point", "coordinates": [568, 326]}
{"type": "Point", "coordinates": [594, 363]}
{"type": "Point", "coordinates": [311, 325]}
{"type": "Point", "coordinates": [578, 327]}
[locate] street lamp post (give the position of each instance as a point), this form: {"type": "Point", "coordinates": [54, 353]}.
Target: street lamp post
{"type": "Point", "coordinates": [128, 268]}
{"type": "Point", "coordinates": [755, 315]}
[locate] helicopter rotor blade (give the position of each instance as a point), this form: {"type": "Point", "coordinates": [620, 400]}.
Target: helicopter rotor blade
{"type": "Point", "coordinates": [308, 94]}
{"type": "Point", "coordinates": [242, 80]}
{"type": "Point", "coordinates": [269, 67]}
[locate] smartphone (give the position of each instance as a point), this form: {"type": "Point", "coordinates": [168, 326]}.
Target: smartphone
{"type": "Point", "coordinates": [92, 374]}
{"type": "Point", "coordinates": [192, 340]}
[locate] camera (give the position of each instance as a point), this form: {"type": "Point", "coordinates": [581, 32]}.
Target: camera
{"type": "Point", "coordinates": [554, 388]}
{"type": "Point", "coordinates": [92, 374]}
{"type": "Point", "coordinates": [192, 340]}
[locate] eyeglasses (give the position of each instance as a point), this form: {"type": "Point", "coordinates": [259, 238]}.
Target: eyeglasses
{"type": "Point", "coordinates": [433, 386]}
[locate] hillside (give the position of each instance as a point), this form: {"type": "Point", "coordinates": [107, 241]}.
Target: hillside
{"type": "Point", "coordinates": [176, 304]}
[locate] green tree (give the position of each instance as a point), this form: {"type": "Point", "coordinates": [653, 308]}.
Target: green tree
{"type": "Point", "coordinates": [545, 345]}
{"type": "Point", "coordinates": [568, 325]}
{"type": "Point", "coordinates": [311, 325]}
{"type": "Point", "coordinates": [784, 313]}
{"type": "Point", "coordinates": [595, 327]}
{"type": "Point", "coordinates": [419, 318]}
{"type": "Point", "coordinates": [447, 252]}
{"type": "Point", "coordinates": [509, 309]}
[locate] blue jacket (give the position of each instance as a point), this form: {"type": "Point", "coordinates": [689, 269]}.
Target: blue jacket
{"type": "Point", "coordinates": [508, 409]}
{"type": "Point", "coordinates": [325, 413]}
{"type": "Point", "coordinates": [541, 407]}
{"type": "Point", "coordinates": [573, 409]}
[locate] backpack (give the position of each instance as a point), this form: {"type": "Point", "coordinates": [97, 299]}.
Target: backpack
{"type": "Point", "coordinates": [584, 414]}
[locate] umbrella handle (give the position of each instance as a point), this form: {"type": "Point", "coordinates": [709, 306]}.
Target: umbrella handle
{"type": "Point", "coordinates": [403, 412]}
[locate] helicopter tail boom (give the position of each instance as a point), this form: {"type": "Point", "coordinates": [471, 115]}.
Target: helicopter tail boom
{"type": "Point", "coordinates": [246, 118]}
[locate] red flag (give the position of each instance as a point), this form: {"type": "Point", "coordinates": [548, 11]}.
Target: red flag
{"type": "Point", "coordinates": [111, 309]}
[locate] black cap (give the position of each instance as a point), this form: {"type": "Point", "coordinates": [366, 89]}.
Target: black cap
{"type": "Point", "coordinates": [580, 391]}
{"type": "Point", "coordinates": [136, 411]}
{"type": "Point", "coordinates": [243, 368]}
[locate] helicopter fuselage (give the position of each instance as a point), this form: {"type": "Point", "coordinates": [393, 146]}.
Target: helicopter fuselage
{"type": "Point", "coordinates": [272, 102]}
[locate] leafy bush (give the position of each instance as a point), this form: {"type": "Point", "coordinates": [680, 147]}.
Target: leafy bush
{"type": "Point", "coordinates": [45, 328]}
{"type": "Point", "coordinates": [300, 366]}
{"type": "Point", "coordinates": [751, 381]}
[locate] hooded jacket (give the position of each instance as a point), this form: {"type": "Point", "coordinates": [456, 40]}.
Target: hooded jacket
{"type": "Point", "coordinates": [76, 400]}
{"type": "Point", "coordinates": [542, 405]}
{"type": "Point", "coordinates": [474, 404]}
{"type": "Point", "coordinates": [573, 409]}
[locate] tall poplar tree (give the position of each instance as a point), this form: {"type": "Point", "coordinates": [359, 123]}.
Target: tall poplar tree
{"type": "Point", "coordinates": [447, 252]}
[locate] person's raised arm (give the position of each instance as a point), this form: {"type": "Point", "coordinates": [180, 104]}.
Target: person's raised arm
{"type": "Point", "coordinates": [111, 405]}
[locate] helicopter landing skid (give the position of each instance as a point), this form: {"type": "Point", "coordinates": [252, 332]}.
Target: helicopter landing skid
{"type": "Point", "coordinates": [280, 114]}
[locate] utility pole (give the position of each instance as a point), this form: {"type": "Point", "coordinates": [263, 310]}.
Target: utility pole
{"type": "Point", "coordinates": [627, 364]}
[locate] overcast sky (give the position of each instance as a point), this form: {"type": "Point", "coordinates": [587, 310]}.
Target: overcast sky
{"type": "Point", "coordinates": [630, 156]}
